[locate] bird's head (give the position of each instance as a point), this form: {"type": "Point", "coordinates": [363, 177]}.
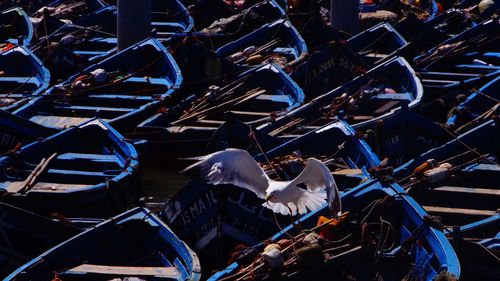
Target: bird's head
{"type": "Point", "coordinates": [271, 196]}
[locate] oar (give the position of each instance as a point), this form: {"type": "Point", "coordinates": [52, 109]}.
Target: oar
{"type": "Point", "coordinates": [33, 176]}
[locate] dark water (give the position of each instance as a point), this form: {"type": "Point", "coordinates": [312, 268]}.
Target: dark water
{"type": "Point", "coordinates": [162, 181]}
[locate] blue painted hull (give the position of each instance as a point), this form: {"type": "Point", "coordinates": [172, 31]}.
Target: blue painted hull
{"type": "Point", "coordinates": [16, 131]}
{"type": "Point", "coordinates": [429, 255]}
{"type": "Point", "coordinates": [18, 227]}
{"type": "Point", "coordinates": [92, 172]}
{"type": "Point", "coordinates": [404, 136]}
{"type": "Point", "coordinates": [155, 254]}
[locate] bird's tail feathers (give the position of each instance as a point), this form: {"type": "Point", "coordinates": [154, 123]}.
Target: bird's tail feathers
{"type": "Point", "coordinates": [307, 201]}
{"type": "Point", "coordinates": [310, 200]}
{"type": "Point", "coordinates": [280, 208]}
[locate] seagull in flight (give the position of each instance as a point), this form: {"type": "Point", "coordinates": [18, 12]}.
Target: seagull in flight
{"type": "Point", "coordinates": [306, 191]}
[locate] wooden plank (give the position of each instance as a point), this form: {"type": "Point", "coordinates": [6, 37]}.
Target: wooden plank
{"type": "Point", "coordinates": [165, 272]}
{"type": "Point", "coordinates": [459, 211]}
{"type": "Point", "coordinates": [250, 113]}
{"type": "Point", "coordinates": [94, 108]}
{"type": "Point", "coordinates": [59, 122]}
{"type": "Point", "coordinates": [12, 186]}
{"type": "Point", "coordinates": [88, 156]}
{"type": "Point", "coordinates": [458, 189]}
{"type": "Point", "coordinates": [211, 122]}
{"type": "Point", "coordinates": [58, 187]}
{"type": "Point", "coordinates": [77, 172]}
{"type": "Point", "coordinates": [362, 117]}
{"type": "Point", "coordinates": [347, 172]}
{"type": "Point", "coordinates": [388, 105]}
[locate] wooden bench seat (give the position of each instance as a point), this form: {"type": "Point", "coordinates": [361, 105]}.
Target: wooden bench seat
{"type": "Point", "coordinates": [459, 211]}
{"type": "Point", "coordinates": [164, 272]}
{"type": "Point", "coordinates": [457, 189]}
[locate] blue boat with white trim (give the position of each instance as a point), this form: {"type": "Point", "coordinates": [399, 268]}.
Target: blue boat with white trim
{"type": "Point", "coordinates": [15, 27]}
{"type": "Point", "coordinates": [277, 42]}
{"type": "Point", "coordinates": [370, 97]}
{"type": "Point", "coordinates": [122, 90]}
{"type": "Point", "coordinates": [86, 171]}
{"type": "Point", "coordinates": [23, 76]}
{"type": "Point", "coordinates": [384, 235]}
{"type": "Point", "coordinates": [132, 245]}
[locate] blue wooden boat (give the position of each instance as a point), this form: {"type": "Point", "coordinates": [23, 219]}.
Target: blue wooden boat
{"type": "Point", "coordinates": [71, 48]}
{"type": "Point", "coordinates": [15, 26]}
{"type": "Point", "coordinates": [369, 98]}
{"type": "Point", "coordinates": [452, 22]}
{"type": "Point", "coordinates": [206, 12]}
{"type": "Point", "coordinates": [26, 235]}
{"type": "Point", "coordinates": [51, 15]}
{"type": "Point", "coordinates": [457, 63]}
{"type": "Point", "coordinates": [378, 44]}
{"type": "Point", "coordinates": [23, 76]}
{"type": "Point", "coordinates": [15, 131]}
{"type": "Point", "coordinates": [337, 62]}
{"type": "Point", "coordinates": [167, 17]}
{"type": "Point", "coordinates": [277, 42]}
{"type": "Point", "coordinates": [426, 34]}
{"type": "Point", "coordinates": [255, 97]}
{"type": "Point", "coordinates": [133, 244]}
{"type": "Point", "coordinates": [85, 171]}
{"type": "Point", "coordinates": [457, 181]}
{"type": "Point", "coordinates": [122, 89]}
{"type": "Point", "coordinates": [69, 10]}
{"type": "Point", "coordinates": [426, 9]}
{"type": "Point", "coordinates": [233, 25]}
{"type": "Point", "coordinates": [412, 249]}
{"type": "Point", "coordinates": [479, 106]}
{"type": "Point", "coordinates": [212, 220]}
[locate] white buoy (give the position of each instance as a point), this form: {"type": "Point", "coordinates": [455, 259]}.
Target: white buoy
{"type": "Point", "coordinates": [344, 15]}
{"type": "Point", "coordinates": [133, 22]}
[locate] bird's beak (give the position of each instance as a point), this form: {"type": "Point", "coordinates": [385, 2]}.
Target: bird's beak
{"type": "Point", "coordinates": [268, 197]}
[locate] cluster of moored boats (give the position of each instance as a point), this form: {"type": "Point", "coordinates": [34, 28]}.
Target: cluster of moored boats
{"type": "Point", "coordinates": [404, 114]}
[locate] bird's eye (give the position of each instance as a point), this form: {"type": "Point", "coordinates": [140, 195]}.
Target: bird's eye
{"type": "Point", "coordinates": [302, 185]}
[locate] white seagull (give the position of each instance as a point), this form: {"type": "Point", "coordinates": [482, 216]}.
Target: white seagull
{"type": "Point", "coordinates": [237, 167]}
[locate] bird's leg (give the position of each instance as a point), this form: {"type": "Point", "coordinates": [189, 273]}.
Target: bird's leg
{"type": "Point", "coordinates": [295, 220]}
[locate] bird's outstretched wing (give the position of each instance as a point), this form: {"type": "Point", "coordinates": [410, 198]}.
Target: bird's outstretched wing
{"type": "Point", "coordinates": [316, 176]}
{"type": "Point", "coordinates": [231, 166]}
